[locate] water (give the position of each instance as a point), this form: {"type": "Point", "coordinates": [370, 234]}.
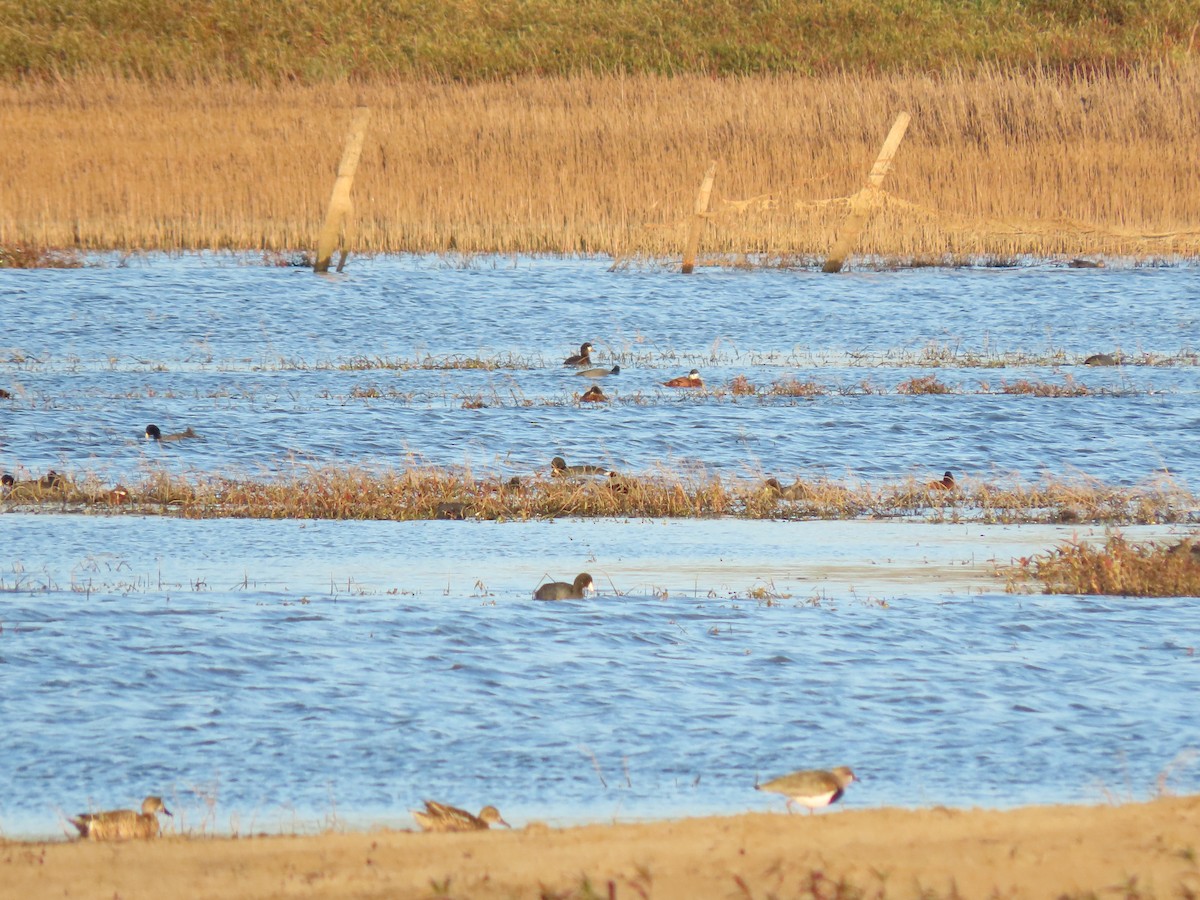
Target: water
{"type": "Point", "coordinates": [288, 675]}
{"type": "Point", "coordinates": [254, 358]}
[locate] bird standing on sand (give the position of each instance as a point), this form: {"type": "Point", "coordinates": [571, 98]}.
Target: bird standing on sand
{"type": "Point", "coordinates": [813, 788]}
{"type": "Point", "coordinates": [690, 380]}
{"type": "Point", "coordinates": [121, 824]}
{"type": "Point", "coordinates": [440, 817]}
{"type": "Point", "coordinates": [560, 590]}
{"type": "Point", "coordinates": [154, 433]}
{"type": "Point", "coordinates": [582, 358]}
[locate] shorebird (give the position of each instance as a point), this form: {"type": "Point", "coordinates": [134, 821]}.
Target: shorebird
{"type": "Point", "coordinates": [154, 433]}
{"type": "Point", "coordinates": [811, 787]}
{"type": "Point", "coordinates": [121, 824]}
{"type": "Point", "coordinates": [440, 817]}
{"type": "Point", "coordinates": [946, 484]}
{"type": "Point", "coordinates": [599, 372]}
{"type": "Point", "coordinates": [593, 395]}
{"type": "Point", "coordinates": [560, 469]}
{"type": "Point", "coordinates": [690, 380]}
{"type": "Point", "coordinates": [582, 358]}
{"type": "Point", "coordinates": [560, 590]}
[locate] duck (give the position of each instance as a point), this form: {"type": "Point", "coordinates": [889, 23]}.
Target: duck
{"type": "Point", "coordinates": [593, 395]}
{"type": "Point", "coordinates": [795, 491]}
{"type": "Point", "coordinates": [945, 484]}
{"type": "Point", "coordinates": [1101, 359]}
{"type": "Point", "coordinates": [812, 788]}
{"type": "Point", "coordinates": [560, 469]}
{"type": "Point", "coordinates": [560, 590]}
{"type": "Point", "coordinates": [440, 817]}
{"type": "Point", "coordinates": [690, 380]}
{"type": "Point", "coordinates": [582, 358]}
{"type": "Point", "coordinates": [599, 373]}
{"type": "Point", "coordinates": [5, 395]}
{"type": "Point", "coordinates": [153, 433]}
{"type": "Point", "coordinates": [120, 824]}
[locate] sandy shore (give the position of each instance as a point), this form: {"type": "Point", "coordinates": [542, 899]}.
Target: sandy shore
{"type": "Point", "coordinates": [1136, 850]}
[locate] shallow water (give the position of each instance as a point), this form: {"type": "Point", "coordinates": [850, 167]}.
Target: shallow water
{"type": "Point", "coordinates": [262, 362]}
{"type": "Point", "coordinates": [274, 675]}
{"type": "Point", "coordinates": [288, 675]}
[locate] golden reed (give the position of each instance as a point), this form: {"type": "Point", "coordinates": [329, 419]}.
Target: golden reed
{"type": "Point", "coordinates": [995, 165]}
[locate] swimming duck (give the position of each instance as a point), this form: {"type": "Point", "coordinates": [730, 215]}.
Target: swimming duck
{"type": "Point", "coordinates": [690, 380]}
{"type": "Point", "coordinates": [560, 469]}
{"type": "Point", "coordinates": [440, 817]}
{"type": "Point", "coordinates": [599, 373]}
{"type": "Point", "coordinates": [813, 788]}
{"type": "Point", "coordinates": [946, 484]}
{"type": "Point", "coordinates": [119, 824]}
{"type": "Point", "coordinates": [153, 433]}
{"type": "Point", "coordinates": [582, 358]}
{"type": "Point", "coordinates": [1100, 359]}
{"type": "Point", "coordinates": [560, 590]}
{"type": "Point", "coordinates": [593, 395]}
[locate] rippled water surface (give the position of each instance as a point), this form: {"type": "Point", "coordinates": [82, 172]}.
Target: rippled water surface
{"type": "Point", "coordinates": [265, 363]}
{"type": "Point", "coordinates": [285, 675]}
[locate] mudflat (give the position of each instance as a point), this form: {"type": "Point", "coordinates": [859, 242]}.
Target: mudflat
{"type": "Point", "coordinates": [1133, 850]}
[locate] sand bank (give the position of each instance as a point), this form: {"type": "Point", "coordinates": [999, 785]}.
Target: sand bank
{"type": "Point", "coordinates": [1138, 849]}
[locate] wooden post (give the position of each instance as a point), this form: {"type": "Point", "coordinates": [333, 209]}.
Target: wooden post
{"type": "Point", "coordinates": [860, 203]}
{"type": "Point", "coordinates": [339, 200]}
{"type": "Point", "coordinates": [693, 238]}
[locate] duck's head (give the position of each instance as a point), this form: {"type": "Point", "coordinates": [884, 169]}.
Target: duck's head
{"type": "Point", "coordinates": [153, 433]}
{"type": "Point", "coordinates": [492, 816]}
{"type": "Point", "coordinates": [152, 805]}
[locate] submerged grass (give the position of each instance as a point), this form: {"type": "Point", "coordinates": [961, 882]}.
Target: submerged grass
{"type": "Point", "coordinates": [431, 493]}
{"type": "Point", "coordinates": [997, 165]}
{"type": "Point", "coordinates": [1117, 568]}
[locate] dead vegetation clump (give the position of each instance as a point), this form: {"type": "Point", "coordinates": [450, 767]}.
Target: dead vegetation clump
{"type": "Point", "coordinates": [923, 384]}
{"type": "Point", "coordinates": [1044, 389]}
{"type": "Point", "coordinates": [24, 256]}
{"type": "Point", "coordinates": [1117, 568]}
{"type": "Point", "coordinates": [791, 387]}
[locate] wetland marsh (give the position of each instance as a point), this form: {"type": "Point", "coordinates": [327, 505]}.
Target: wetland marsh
{"type": "Point", "coordinates": [286, 675]}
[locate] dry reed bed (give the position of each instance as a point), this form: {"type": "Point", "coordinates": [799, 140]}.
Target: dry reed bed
{"type": "Point", "coordinates": [428, 493]}
{"type": "Point", "coordinates": [1116, 568]}
{"type": "Point", "coordinates": [996, 165]}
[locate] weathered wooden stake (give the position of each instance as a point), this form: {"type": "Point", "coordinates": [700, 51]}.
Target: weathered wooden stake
{"type": "Point", "coordinates": [693, 238]}
{"type": "Point", "coordinates": [861, 203]}
{"type": "Point", "coordinates": [339, 200]}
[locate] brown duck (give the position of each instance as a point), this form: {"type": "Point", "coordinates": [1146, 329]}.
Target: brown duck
{"type": "Point", "coordinates": [440, 817]}
{"type": "Point", "coordinates": [122, 824]}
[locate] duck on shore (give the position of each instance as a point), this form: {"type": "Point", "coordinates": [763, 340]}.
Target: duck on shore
{"type": "Point", "coordinates": [122, 824]}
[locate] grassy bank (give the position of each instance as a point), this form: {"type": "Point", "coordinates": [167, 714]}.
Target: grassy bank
{"type": "Point", "coordinates": [996, 165]}
{"type": "Point", "coordinates": [323, 40]}
{"type": "Point", "coordinates": [431, 493]}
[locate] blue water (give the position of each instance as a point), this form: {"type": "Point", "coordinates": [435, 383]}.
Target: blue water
{"type": "Point", "coordinates": [285, 675]}
{"type": "Point", "coordinates": [254, 359]}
